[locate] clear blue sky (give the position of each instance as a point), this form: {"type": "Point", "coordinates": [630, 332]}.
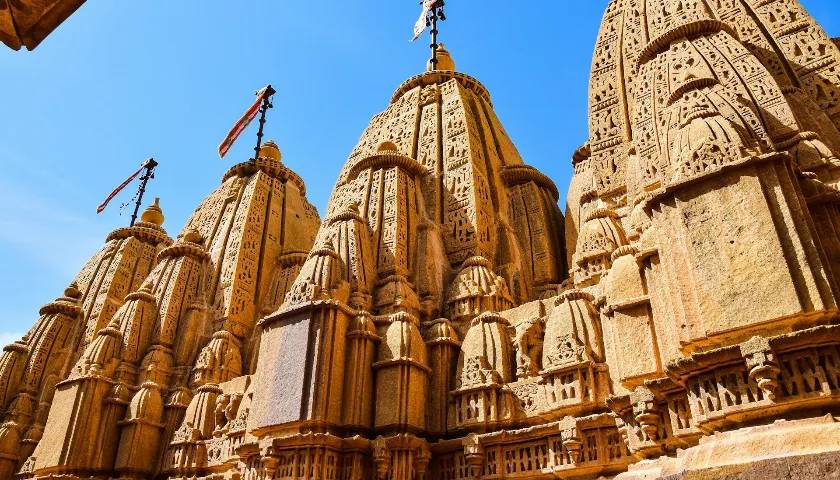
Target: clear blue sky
{"type": "Point", "coordinates": [120, 81]}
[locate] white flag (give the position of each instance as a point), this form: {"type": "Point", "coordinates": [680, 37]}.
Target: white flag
{"type": "Point", "coordinates": [420, 26]}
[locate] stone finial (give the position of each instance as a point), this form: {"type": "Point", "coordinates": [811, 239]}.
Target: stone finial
{"type": "Point", "coordinates": [153, 213]}
{"type": "Point", "coordinates": [271, 151]}
{"type": "Point", "coordinates": [444, 60]}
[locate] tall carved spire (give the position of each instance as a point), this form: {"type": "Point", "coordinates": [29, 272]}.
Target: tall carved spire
{"type": "Point", "coordinates": [434, 325]}
{"type": "Point", "coordinates": [433, 215]}
{"type": "Point", "coordinates": [183, 328]}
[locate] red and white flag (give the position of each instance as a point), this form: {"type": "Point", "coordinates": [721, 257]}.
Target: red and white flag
{"type": "Point", "coordinates": [420, 26]}
{"type": "Point", "coordinates": [243, 122]}
{"type": "Point", "coordinates": [117, 190]}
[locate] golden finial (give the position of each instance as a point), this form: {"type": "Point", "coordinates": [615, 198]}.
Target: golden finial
{"type": "Point", "coordinates": [153, 214]}
{"type": "Point", "coordinates": [270, 151]}
{"type": "Point", "coordinates": [444, 60]}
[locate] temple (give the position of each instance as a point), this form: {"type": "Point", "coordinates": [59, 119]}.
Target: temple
{"type": "Point", "coordinates": [446, 321]}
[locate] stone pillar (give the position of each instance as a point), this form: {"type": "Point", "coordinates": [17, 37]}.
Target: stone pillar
{"type": "Point", "coordinates": [443, 347]}
{"type": "Point", "coordinates": [358, 389]}
{"type": "Point", "coordinates": [402, 377]}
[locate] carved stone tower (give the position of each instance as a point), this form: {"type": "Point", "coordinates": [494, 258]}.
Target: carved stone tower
{"type": "Point", "coordinates": [434, 226]}
{"type": "Point", "coordinates": [151, 327]}
{"type": "Point", "coordinates": [445, 321]}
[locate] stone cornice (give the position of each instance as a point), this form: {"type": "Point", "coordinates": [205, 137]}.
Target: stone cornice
{"type": "Point", "coordinates": [519, 174]}
{"type": "Point", "coordinates": [685, 30]}
{"type": "Point", "coordinates": [270, 167]}
{"type": "Point", "coordinates": [441, 76]}
{"type": "Point", "coordinates": [147, 232]}
{"type": "Point", "coordinates": [386, 159]}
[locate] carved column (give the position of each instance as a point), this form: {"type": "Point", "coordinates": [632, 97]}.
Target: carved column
{"type": "Point", "coordinates": [443, 346]}
{"type": "Point", "coordinates": [140, 437]}
{"type": "Point", "coordinates": [358, 389]}
{"type": "Point", "coordinates": [402, 377]}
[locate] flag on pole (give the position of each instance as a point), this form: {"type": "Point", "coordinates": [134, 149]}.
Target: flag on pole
{"type": "Point", "coordinates": [420, 26]}
{"type": "Point", "coordinates": [243, 122]}
{"type": "Point", "coordinates": [117, 190]}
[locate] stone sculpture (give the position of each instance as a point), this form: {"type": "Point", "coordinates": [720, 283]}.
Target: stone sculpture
{"type": "Point", "coordinates": [445, 321]}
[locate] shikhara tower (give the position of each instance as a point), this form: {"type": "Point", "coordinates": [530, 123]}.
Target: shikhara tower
{"type": "Point", "coordinates": [444, 321]}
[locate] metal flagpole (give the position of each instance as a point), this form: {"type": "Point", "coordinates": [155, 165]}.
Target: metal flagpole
{"type": "Point", "coordinates": [150, 167]}
{"type": "Point", "coordinates": [434, 14]}
{"type": "Point", "coordinates": [263, 109]}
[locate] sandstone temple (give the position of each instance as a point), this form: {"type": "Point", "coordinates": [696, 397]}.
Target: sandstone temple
{"type": "Point", "coordinates": [445, 321]}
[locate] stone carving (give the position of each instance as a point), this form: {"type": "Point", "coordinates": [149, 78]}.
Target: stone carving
{"type": "Point", "coordinates": [529, 344]}
{"type": "Point", "coordinates": [437, 325]}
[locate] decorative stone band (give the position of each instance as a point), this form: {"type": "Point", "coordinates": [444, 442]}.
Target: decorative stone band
{"type": "Point", "coordinates": [624, 250]}
{"type": "Point", "coordinates": [387, 159]}
{"type": "Point", "coordinates": [686, 87]}
{"type": "Point", "coordinates": [739, 382]}
{"type": "Point", "coordinates": [574, 294]}
{"type": "Point", "coordinates": [18, 347]}
{"type": "Point", "coordinates": [347, 215]}
{"type": "Point", "coordinates": [588, 196]}
{"type": "Point", "coordinates": [288, 309]}
{"type": "Point", "coordinates": [685, 30]}
{"type": "Point", "coordinates": [362, 325]}
{"type": "Point", "coordinates": [398, 275]}
{"type": "Point", "coordinates": [490, 317]}
{"type": "Point", "coordinates": [64, 306]}
{"type": "Point", "coordinates": [396, 317]}
{"type": "Point", "coordinates": [490, 384]}
{"type": "Point", "coordinates": [817, 192]}
{"type": "Point", "coordinates": [791, 142]}
{"type": "Point", "coordinates": [408, 361]}
{"type": "Point", "coordinates": [583, 447]}
{"type": "Point", "coordinates": [581, 154]}
{"type": "Point", "coordinates": [441, 332]}
{"type": "Point", "coordinates": [630, 303]}
{"type": "Point", "coordinates": [292, 258]}
{"type": "Point", "coordinates": [324, 252]}
{"type": "Point", "coordinates": [147, 232]}
{"type": "Point", "coordinates": [600, 213]}
{"type": "Point", "coordinates": [656, 196]}
{"type": "Point", "coordinates": [438, 77]}
{"type": "Point", "coordinates": [180, 398]}
{"type": "Point", "coordinates": [184, 249]}
{"type": "Point", "coordinates": [519, 174]}
{"type": "Point", "coordinates": [144, 295]}
{"type": "Point", "coordinates": [476, 261]}
{"type": "Point", "coordinates": [270, 167]}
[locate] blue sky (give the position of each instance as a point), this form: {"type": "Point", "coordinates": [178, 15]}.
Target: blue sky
{"type": "Point", "coordinates": [120, 81]}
